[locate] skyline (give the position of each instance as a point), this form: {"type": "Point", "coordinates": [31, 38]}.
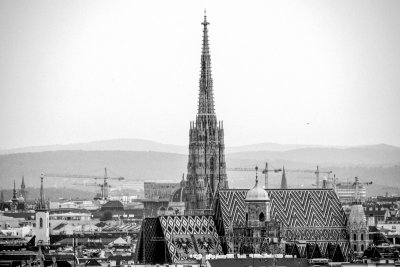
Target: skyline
{"type": "Point", "coordinates": [288, 72]}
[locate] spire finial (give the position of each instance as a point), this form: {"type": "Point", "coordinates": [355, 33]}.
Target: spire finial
{"type": "Point", "coordinates": [256, 168]}
{"type": "Point", "coordinates": [42, 203]}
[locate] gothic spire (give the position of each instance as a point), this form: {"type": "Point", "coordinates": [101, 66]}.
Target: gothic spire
{"type": "Point", "coordinates": [41, 205]}
{"type": "Point", "coordinates": [14, 192]}
{"type": "Point", "coordinates": [283, 182]}
{"type": "Point", "coordinates": [206, 97]}
{"type": "Point", "coordinates": [23, 183]}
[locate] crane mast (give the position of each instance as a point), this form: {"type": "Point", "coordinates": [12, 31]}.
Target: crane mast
{"type": "Point", "coordinates": [104, 187]}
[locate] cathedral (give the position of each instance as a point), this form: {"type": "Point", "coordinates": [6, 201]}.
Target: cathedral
{"type": "Point", "coordinates": [206, 217]}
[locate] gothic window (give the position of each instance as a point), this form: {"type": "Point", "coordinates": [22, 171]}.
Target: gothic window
{"type": "Point", "coordinates": [362, 238]}
{"type": "Point", "coordinates": [261, 217]}
{"type": "Point", "coordinates": [354, 237]}
{"type": "Point", "coordinates": [41, 223]}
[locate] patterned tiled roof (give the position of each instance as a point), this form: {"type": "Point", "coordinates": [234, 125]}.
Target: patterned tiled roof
{"type": "Point", "coordinates": [305, 214]}
{"type": "Point", "coordinates": [190, 235]}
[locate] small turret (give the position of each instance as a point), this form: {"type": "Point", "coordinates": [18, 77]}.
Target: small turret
{"type": "Point", "coordinates": [257, 204]}
{"type": "Point", "coordinates": [358, 229]}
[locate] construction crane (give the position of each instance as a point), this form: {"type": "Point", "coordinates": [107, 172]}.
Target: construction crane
{"type": "Point", "coordinates": [356, 185]}
{"type": "Point", "coordinates": [317, 172]}
{"type": "Point", "coordinates": [99, 195]}
{"type": "Point", "coordinates": [104, 187]}
{"type": "Point", "coordinates": [265, 171]}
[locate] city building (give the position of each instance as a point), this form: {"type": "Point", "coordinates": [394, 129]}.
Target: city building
{"type": "Point", "coordinates": [159, 190]}
{"type": "Point", "coordinates": [347, 191]}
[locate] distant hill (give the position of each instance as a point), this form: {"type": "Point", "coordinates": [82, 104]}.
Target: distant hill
{"type": "Point", "coordinates": [364, 155]}
{"type": "Point", "coordinates": [147, 145]}
{"type": "Point", "coordinates": [132, 165]}
{"type": "Point", "coordinates": [105, 145]}
{"type": "Point", "coordinates": [268, 147]}
{"type": "Point", "coordinates": [52, 193]}
{"type": "Point", "coordinates": [138, 166]}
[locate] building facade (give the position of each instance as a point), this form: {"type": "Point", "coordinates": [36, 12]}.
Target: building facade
{"type": "Point", "coordinates": [347, 192]}
{"type": "Point", "coordinates": [206, 170]}
{"type": "Point", "coordinates": [159, 190]}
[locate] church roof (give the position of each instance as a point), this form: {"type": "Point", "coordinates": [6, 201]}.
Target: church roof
{"type": "Point", "coordinates": [305, 214]}
{"type": "Point", "coordinates": [184, 235]}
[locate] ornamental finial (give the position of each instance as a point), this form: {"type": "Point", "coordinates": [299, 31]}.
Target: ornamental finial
{"type": "Point", "coordinates": [256, 168]}
{"type": "Point", "coordinates": [205, 18]}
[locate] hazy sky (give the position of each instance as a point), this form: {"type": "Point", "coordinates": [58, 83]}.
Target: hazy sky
{"type": "Point", "coordinates": [309, 72]}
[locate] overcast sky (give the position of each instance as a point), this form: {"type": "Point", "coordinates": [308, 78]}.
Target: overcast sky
{"type": "Point", "coordinates": [305, 72]}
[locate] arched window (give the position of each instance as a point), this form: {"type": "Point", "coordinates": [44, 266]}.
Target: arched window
{"type": "Point", "coordinates": [41, 223]}
{"type": "Point", "coordinates": [212, 163]}
{"type": "Point", "coordinates": [362, 238]}
{"type": "Point", "coordinates": [355, 247]}
{"type": "Point", "coordinates": [362, 247]}
{"type": "Point", "coordinates": [355, 237]}
{"type": "Point", "coordinates": [261, 217]}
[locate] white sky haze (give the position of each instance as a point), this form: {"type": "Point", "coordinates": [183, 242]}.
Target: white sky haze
{"type": "Point", "coordinates": [304, 72]}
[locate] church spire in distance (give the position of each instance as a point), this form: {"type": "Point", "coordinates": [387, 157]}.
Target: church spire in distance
{"type": "Point", "coordinates": [206, 97]}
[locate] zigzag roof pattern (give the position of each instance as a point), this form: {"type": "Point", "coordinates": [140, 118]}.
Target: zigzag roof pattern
{"type": "Point", "coordinates": [311, 215]}
{"type": "Point", "coordinates": [294, 208]}
{"type": "Point", "coordinates": [186, 235]}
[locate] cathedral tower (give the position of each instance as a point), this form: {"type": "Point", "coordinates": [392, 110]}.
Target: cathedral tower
{"type": "Point", "coordinates": [206, 166]}
{"type": "Point", "coordinates": [42, 230]}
